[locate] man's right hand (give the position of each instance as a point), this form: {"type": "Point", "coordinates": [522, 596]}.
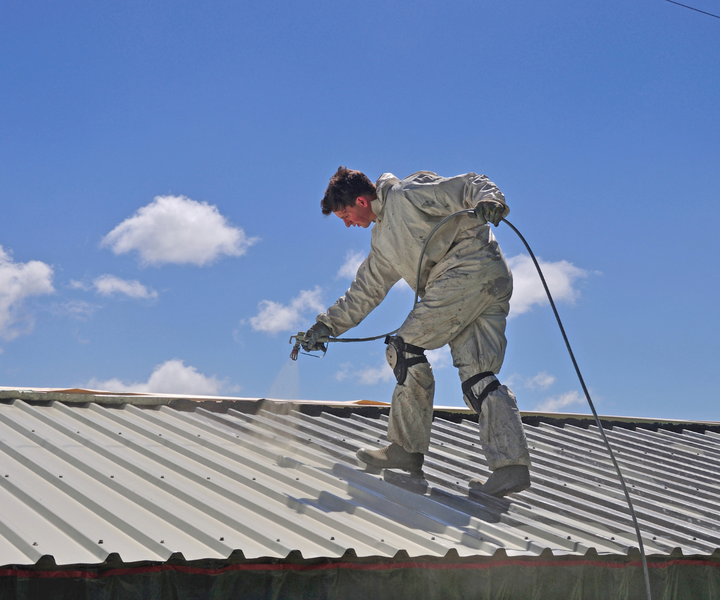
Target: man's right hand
{"type": "Point", "coordinates": [315, 337]}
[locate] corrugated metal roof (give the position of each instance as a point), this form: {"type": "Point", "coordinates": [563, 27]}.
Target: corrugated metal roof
{"type": "Point", "coordinates": [81, 481]}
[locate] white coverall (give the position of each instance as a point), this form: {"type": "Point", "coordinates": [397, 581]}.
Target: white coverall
{"type": "Point", "coordinates": [465, 287]}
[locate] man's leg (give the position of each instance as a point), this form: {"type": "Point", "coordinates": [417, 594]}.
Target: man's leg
{"type": "Point", "coordinates": [478, 353]}
{"type": "Point", "coordinates": [411, 411]}
{"type": "Point", "coordinates": [410, 415]}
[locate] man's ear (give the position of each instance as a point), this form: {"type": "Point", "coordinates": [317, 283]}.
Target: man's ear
{"type": "Point", "coordinates": [362, 201]}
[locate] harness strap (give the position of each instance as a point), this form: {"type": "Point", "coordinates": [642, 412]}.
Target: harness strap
{"type": "Point", "coordinates": [477, 401]}
{"type": "Point", "coordinates": [407, 347]}
{"type": "Point", "coordinates": [409, 362]}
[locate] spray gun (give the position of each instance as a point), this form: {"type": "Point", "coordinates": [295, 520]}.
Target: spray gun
{"type": "Point", "coordinates": [299, 339]}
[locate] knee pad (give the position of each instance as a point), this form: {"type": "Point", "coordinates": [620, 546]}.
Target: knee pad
{"type": "Point", "coordinates": [395, 355]}
{"type": "Point", "coordinates": [476, 400]}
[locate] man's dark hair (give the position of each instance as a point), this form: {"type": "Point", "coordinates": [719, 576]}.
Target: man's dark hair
{"type": "Point", "coordinates": [344, 188]}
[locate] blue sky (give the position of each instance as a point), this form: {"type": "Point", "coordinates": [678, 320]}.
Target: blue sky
{"type": "Point", "coordinates": [161, 166]}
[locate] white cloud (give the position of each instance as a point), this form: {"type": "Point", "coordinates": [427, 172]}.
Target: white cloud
{"type": "Point", "coordinates": [74, 308]}
{"type": "Point", "coordinates": [18, 281]}
{"type": "Point", "coordinates": [366, 375]}
{"type": "Point", "coordinates": [275, 317]}
{"type": "Point", "coordinates": [542, 380]}
{"type": "Point", "coordinates": [440, 358]}
{"type": "Point", "coordinates": [555, 403]}
{"type": "Point", "coordinates": [107, 285]}
{"type": "Point", "coordinates": [353, 260]}
{"type": "Point", "coordinates": [171, 377]}
{"type": "Point", "coordinates": [528, 289]}
{"type": "Point", "coordinates": [178, 230]}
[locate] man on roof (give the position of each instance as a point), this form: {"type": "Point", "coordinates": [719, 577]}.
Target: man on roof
{"type": "Point", "coordinates": [465, 286]}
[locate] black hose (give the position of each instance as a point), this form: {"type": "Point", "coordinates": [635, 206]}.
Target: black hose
{"type": "Point", "coordinates": [471, 212]}
{"type": "Point", "coordinates": [592, 408]}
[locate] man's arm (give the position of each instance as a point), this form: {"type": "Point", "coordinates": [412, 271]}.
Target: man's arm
{"type": "Point", "coordinates": [373, 281]}
{"type": "Point", "coordinates": [438, 196]}
{"type": "Point", "coordinates": [487, 200]}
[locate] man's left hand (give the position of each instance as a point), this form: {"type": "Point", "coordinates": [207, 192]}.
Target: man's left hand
{"type": "Point", "coordinates": [491, 211]}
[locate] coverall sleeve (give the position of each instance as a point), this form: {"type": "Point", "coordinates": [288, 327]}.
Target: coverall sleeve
{"type": "Point", "coordinates": [479, 188]}
{"type": "Point", "coordinates": [438, 196]}
{"type": "Point", "coordinates": [374, 278]}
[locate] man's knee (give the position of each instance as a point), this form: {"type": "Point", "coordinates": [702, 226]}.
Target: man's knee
{"type": "Point", "coordinates": [402, 356]}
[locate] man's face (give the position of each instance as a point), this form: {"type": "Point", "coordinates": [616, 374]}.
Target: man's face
{"type": "Point", "coordinates": [360, 215]}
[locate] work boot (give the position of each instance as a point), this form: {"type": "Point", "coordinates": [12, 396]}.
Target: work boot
{"type": "Point", "coordinates": [393, 456]}
{"type": "Point", "coordinates": [503, 481]}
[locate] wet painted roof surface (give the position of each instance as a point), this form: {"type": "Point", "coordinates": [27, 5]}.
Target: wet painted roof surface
{"type": "Point", "coordinates": [81, 481]}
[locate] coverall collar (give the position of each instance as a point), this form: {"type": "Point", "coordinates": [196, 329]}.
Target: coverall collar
{"type": "Point", "coordinates": [382, 185]}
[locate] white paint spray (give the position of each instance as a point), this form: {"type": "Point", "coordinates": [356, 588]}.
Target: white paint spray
{"type": "Point", "coordinates": [287, 383]}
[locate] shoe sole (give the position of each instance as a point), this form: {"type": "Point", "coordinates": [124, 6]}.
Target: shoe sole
{"type": "Point", "coordinates": [502, 492]}
{"type": "Point", "coordinates": [371, 461]}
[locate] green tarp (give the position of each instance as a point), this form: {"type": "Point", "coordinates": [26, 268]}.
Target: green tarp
{"type": "Point", "coordinates": [567, 578]}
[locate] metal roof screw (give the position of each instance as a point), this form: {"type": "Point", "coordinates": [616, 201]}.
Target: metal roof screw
{"type": "Point", "coordinates": [162, 541]}
{"type": "Point", "coordinates": [654, 537]}
{"type": "Point", "coordinates": [297, 479]}
{"type": "Point", "coordinates": [612, 538]}
{"type": "Point", "coordinates": [119, 432]}
{"type": "Point", "coordinates": [34, 543]}
{"type": "Point", "coordinates": [526, 537]}
{"type": "Point", "coordinates": [162, 476]}
{"type": "Point", "coordinates": [568, 537]}
{"type": "Point", "coordinates": [33, 431]}
{"type": "Point", "coordinates": [100, 541]}
{"type": "Point", "coordinates": [332, 537]}
{"type": "Point", "coordinates": [207, 478]}
{"type": "Point", "coordinates": [382, 540]}
{"type": "Point", "coordinates": [7, 475]}
{"type": "Point", "coordinates": [253, 479]}
{"type": "Point", "coordinates": [432, 538]}
{"type": "Point", "coordinates": [60, 476]}
{"type": "Point", "coordinates": [160, 434]}
{"type": "Point", "coordinates": [198, 435]}
{"type": "Point", "coordinates": [222, 539]}
{"type": "Point", "coordinates": [277, 540]}
{"type": "Point", "coordinates": [694, 538]}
